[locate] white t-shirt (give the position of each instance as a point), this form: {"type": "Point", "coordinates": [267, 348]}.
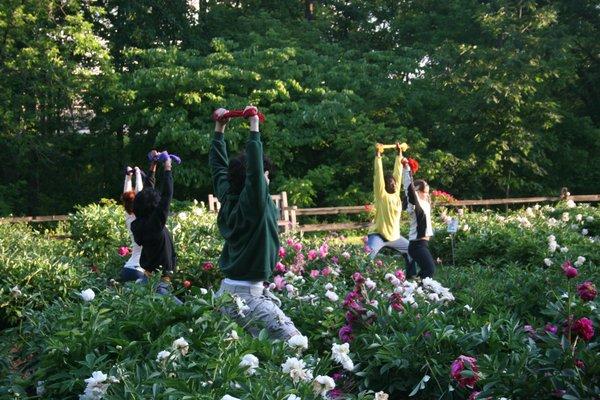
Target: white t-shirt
{"type": "Point", "coordinates": [136, 249]}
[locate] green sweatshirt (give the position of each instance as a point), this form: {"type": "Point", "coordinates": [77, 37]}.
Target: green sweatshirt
{"type": "Point", "coordinates": [247, 221]}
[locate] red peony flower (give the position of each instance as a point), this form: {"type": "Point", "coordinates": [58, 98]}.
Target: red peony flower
{"type": "Point", "coordinates": [569, 270]}
{"type": "Point", "coordinates": [207, 266]}
{"type": "Point", "coordinates": [187, 284]}
{"type": "Point", "coordinates": [584, 328]}
{"type": "Point", "coordinates": [464, 370]}
{"type": "Point", "coordinates": [124, 251]}
{"type": "Point", "coordinates": [587, 291]}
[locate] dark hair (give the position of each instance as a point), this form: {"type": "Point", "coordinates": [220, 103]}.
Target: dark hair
{"type": "Point", "coordinates": [420, 184]}
{"type": "Point", "coordinates": [236, 172]}
{"type": "Point", "coordinates": [145, 202]}
{"type": "Point", "coordinates": [127, 198]}
{"type": "Point", "coordinates": [388, 179]}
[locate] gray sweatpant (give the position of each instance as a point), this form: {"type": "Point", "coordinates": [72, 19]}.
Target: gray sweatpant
{"type": "Point", "coordinates": [263, 311]}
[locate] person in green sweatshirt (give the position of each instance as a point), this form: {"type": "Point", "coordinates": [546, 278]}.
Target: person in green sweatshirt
{"type": "Point", "coordinates": [388, 206]}
{"type": "Point", "coordinates": [247, 221]}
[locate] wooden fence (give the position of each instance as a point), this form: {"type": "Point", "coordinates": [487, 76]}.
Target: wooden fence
{"type": "Point", "coordinates": [289, 215]}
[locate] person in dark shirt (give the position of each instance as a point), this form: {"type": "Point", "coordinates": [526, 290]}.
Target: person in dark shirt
{"type": "Point", "coordinates": [248, 222]}
{"type": "Point", "coordinates": [151, 209]}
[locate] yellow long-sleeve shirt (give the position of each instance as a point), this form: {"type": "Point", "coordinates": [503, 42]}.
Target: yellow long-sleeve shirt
{"type": "Point", "coordinates": [388, 205]}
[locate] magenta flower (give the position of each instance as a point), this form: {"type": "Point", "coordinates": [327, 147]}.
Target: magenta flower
{"type": "Point", "coordinates": [367, 249]}
{"type": "Point", "coordinates": [326, 271]}
{"type": "Point", "coordinates": [312, 254]}
{"type": "Point", "coordinates": [314, 273]}
{"type": "Point", "coordinates": [587, 291]}
{"type": "Point", "coordinates": [379, 262]}
{"type": "Point", "coordinates": [569, 270]}
{"type": "Point", "coordinates": [345, 334]}
{"type": "Point", "coordinates": [584, 328]}
{"type": "Point", "coordinates": [365, 239]}
{"type": "Point", "coordinates": [124, 251]}
{"type": "Point", "coordinates": [358, 278]}
{"type": "Point", "coordinates": [352, 301]}
{"type": "Point", "coordinates": [282, 252]}
{"type": "Point", "coordinates": [290, 242]}
{"type": "Point", "coordinates": [207, 266]}
{"type": "Point", "coordinates": [551, 328]}
{"type": "Point", "coordinates": [400, 275]}
{"type": "Point", "coordinates": [474, 395]}
{"type": "Point", "coordinates": [335, 260]}
{"type": "Point", "coordinates": [529, 330]}
{"type": "Point", "coordinates": [459, 368]}
{"type": "Point", "coordinates": [396, 302]}
{"type": "Point", "coordinates": [297, 247]}
{"type": "Point", "coordinates": [279, 267]}
{"type": "Point", "coordinates": [351, 317]}
{"type": "Point", "coordinates": [579, 364]}
{"type": "Point", "coordinates": [336, 393]}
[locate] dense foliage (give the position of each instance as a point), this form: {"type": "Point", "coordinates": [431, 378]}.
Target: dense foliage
{"type": "Point", "coordinates": [500, 328]}
{"type": "Point", "coordinates": [497, 97]}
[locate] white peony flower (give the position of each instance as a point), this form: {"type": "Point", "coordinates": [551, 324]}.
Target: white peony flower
{"type": "Point", "coordinates": [233, 335]}
{"type": "Point", "coordinates": [529, 211]}
{"type": "Point", "coordinates": [293, 397]}
{"type": "Point", "coordinates": [584, 232]}
{"type": "Point", "coordinates": [298, 342]}
{"type": "Point", "coordinates": [580, 261]}
{"type": "Point", "coordinates": [548, 262]}
{"type": "Point", "coordinates": [346, 255]}
{"type": "Point", "coordinates": [468, 308]}
{"type": "Point", "coordinates": [537, 207]}
{"type": "Point", "coordinates": [182, 345]}
{"type": "Point", "coordinates": [552, 246]}
{"type": "Point", "coordinates": [370, 284]}
{"type": "Point", "coordinates": [87, 295]}
{"type": "Point", "coordinates": [323, 384]}
{"type": "Point", "coordinates": [97, 385]}
{"type": "Point", "coordinates": [182, 215]}
{"type": "Point", "coordinates": [16, 292]}
{"type": "Point", "coordinates": [466, 228]}
{"type": "Point", "coordinates": [589, 218]}
{"type": "Point", "coordinates": [296, 369]}
{"type": "Point", "coordinates": [241, 306]}
{"type": "Point", "coordinates": [381, 396]}
{"type": "Point", "coordinates": [329, 309]}
{"type": "Point", "coordinates": [552, 222]}
{"type": "Point", "coordinates": [578, 217]}
{"type": "Point", "coordinates": [565, 217]}
{"type": "Point", "coordinates": [571, 204]}
{"type": "Point", "coordinates": [203, 291]}
{"type": "Point", "coordinates": [250, 362]}
{"type": "Point", "coordinates": [40, 389]}
{"type": "Point", "coordinates": [564, 249]}
{"type": "Point", "coordinates": [163, 356]}
{"type": "Point", "coordinates": [291, 290]}
{"type": "Point", "coordinates": [339, 353]}
{"type": "Point", "coordinates": [332, 296]}
{"type": "Point", "coordinates": [329, 286]}
{"type": "Point", "coordinates": [228, 397]}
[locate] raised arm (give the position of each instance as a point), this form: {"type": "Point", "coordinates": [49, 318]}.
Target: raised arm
{"type": "Point", "coordinates": [398, 168]}
{"type": "Point", "coordinates": [409, 188]}
{"type": "Point", "coordinates": [378, 181]}
{"type": "Point", "coordinates": [127, 187]}
{"type": "Point", "coordinates": [255, 185]}
{"type": "Point", "coordinates": [139, 184]}
{"type": "Point", "coordinates": [158, 218]}
{"type": "Point", "coordinates": [218, 159]}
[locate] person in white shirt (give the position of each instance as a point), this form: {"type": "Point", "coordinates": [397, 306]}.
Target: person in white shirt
{"type": "Point", "coordinates": [419, 211]}
{"type": "Point", "coordinates": [132, 271]}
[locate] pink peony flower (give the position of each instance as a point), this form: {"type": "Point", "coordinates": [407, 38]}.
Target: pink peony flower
{"type": "Point", "coordinates": [379, 262]}
{"type": "Point", "coordinates": [346, 255]}
{"type": "Point", "coordinates": [279, 267]}
{"type": "Point", "coordinates": [365, 239]}
{"type": "Point", "coordinates": [345, 334]}
{"type": "Point", "coordinates": [336, 393]}
{"type": "Point", "coordinates": [351, 317]}
{"type": "Point", "coordinates": [529, 330]}
{"type": "Point", "coordinates": [207, 266]}
{"type": "Point", "coordinates": [400, 275]}
{"type": "Point", "coordinates": [458, 371]}
{"type": "Point", "coordinates": [312, 254]}
{"type": "Point", "coordinates": [551, 328]}
{"type": "Point", "coordinates": [314, 273]}
{"type": "Point", "coordinates": [352, 301]}
{"type": "Point", "coordinates": [279, 282]}
{"type": "Point", "coordinates": [323, 250]}
{"type": "Point", "coordinates": [569, 270]}
{"type": "Point", "coordinates": [474, 395]}
{"type": "Point", "coordinates": [282, 252]}
{"type": "Point", "coordinates": [290, 242]}
{"type": "Point", "coordinates": [367, 249]}
{"type": "Point", "coordinates": [297, 247]}
{"type": "Point", "coordinates": [587, 291]}
{"type": "Point", "coordinates": [335, 260]}
{"type": "Point", "coordinates": [326, 271]}
{"type": "Point", "coordinates": [124, 251]}
{"type": "Point", "coordinates": [358, 278]}
{"type": "Point", "coordinates": [584, 328]}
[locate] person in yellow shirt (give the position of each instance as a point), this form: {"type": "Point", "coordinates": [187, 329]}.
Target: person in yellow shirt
{"type": "Point", "coordinates": [386, 191]}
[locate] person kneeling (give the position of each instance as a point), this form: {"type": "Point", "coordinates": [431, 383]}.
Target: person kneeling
{"type": "Point", "coordinates": [149, 231]}
{"type": "Point", "coordinates": [247, 221]}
